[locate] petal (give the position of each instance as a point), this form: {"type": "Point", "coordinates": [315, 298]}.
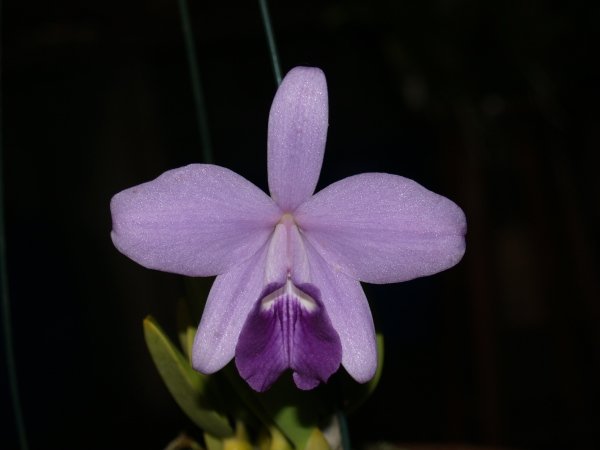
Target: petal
{"type": "Point", "coordinates": [349, 312]}
{"type": "Point", "coordinates": [382, 228]}
{"type": "Point", "coordinates": [297, 133]}
{"type": "Point", "coordinates": [197, 220]}
{"type": "Point", "coordinates": [229, 302]}
{"type": "Point", "coordinates": [288, 328]}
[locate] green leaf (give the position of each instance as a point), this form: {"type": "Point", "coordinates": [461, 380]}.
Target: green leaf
{"type": "Point", "coordinates": [188, 387]}
{"type": "Point", "coordinates": [283, 409]}
{"type": "Point", "coordinates": [250, 403]}
{"type": "Point", "coordinates": [189, 311]}
{"type": "Point", "coordinates": [354, 394]}
{"type": "Point", "coordinates": [288, 420]}
{"type": "Point", "coordinates": [186, 328]}
{"type": "Point", "coordinates": [295, 412]}
{"type": "Point", "coordinates": [212, 443]}
{"type": "Point", "coordinates": [277, 440]}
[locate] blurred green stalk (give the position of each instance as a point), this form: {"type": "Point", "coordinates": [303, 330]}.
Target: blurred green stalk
{"type": "Point", "coordinates": [199, 101]}
{"type": "Point", "coordinates": [6, 316]}
{"type": "Point", "coordinates": [264, 12]}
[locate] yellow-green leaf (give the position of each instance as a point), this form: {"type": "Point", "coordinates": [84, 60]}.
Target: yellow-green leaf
{"type": "Point", "coordinates": [186, 328]}
{"type": "Point", "coordinates": [213, 443]}
{"type": "Point", "coordinates": [188, 387]}
{"type": "Point", "coordinates": [278, 440]}
{"type": "Point", "coordinates": [317, 441]}
{"type": "Point", "coordinates": [295, 412]}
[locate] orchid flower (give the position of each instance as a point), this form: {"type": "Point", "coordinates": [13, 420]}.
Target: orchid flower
{"type": "Point", "coordinates": [287, 293]}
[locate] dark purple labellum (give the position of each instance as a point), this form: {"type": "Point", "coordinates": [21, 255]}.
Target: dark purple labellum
{"type": "Point", "coordinates": [288, 329]}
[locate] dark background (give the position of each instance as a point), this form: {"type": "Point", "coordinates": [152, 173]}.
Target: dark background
{"type": "Point", "coordinates": [493, 104]}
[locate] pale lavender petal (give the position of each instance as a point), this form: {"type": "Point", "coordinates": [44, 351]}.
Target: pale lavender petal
{"type": "Point", "coordinates": [289, 328]}
{"type": "Point", "coordinates": [349, 312]}
{"type": "Point", "coordinates": [382, 228]}
{"type": "Point", "coordinates": [197, 220]}
{"type": "Point", "coordinates": [297, 133]}
{"type": "Point", "coordinates": [229, 302]}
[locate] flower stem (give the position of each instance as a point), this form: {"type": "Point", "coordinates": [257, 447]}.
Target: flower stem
{"type": "Point", "coordinates": [264, 12]}
{"type": "Point", "coordinates": [190, 48]}
{"type": "Point", "coordinates": [343, 421]}
{"type": "Point", "coordinates": [6, 323]}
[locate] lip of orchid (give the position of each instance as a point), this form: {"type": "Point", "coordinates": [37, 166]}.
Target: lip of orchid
{"type": "Point", "coordinates": [311, 249]}
{"type": "Point", "coordinates": [288, 329]}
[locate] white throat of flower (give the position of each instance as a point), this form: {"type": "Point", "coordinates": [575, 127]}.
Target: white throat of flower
{"type": "Point", "coordinates": [290, 291]}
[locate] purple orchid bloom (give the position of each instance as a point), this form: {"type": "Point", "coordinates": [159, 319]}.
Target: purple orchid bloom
{"type": "Point", "coordinates": [289, 266]}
